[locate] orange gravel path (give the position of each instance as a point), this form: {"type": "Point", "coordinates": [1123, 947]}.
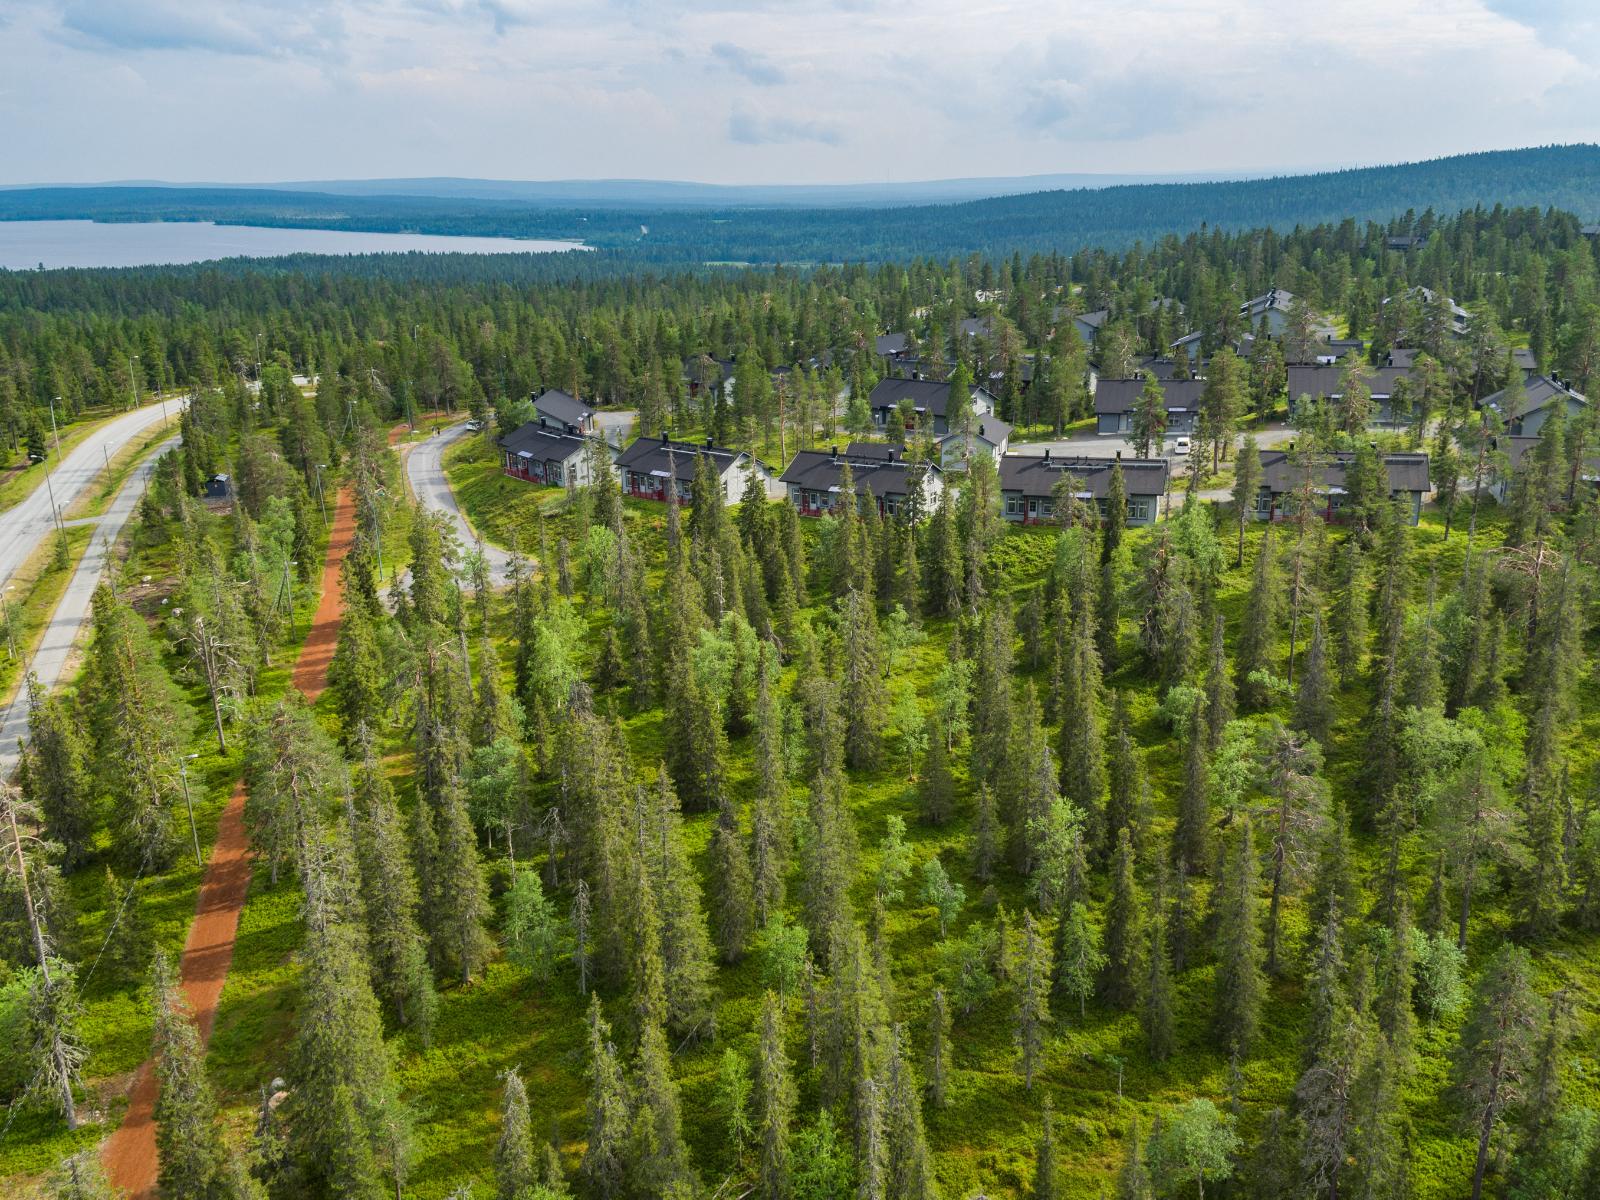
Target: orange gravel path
{"type": "Point", "coordinates": [129, 1153]}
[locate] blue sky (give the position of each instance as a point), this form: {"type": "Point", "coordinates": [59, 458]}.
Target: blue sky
{"type": "Point", "coordinates": [780, 91]}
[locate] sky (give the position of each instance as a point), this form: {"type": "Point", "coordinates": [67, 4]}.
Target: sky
{"type": "Point", "coordinates": [779, 91]}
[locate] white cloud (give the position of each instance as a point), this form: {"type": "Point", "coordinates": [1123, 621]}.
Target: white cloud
{"type": "Point", "coordinates": [736, 90]}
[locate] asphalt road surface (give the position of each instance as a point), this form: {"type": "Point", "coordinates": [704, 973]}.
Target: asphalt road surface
{"type": "Point", "coordinates": [72, 610]}
{"type": "Point", "coordinates": [25, 524]}
{"type": "Point", "coordinates": [425, 471]}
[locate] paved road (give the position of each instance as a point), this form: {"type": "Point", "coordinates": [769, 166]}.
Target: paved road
{"type": "Point", "coordinates": [72, 611]}
{"type": "Point", "coordinates": [1107, 446]}
{"type": "Point", "coordinates": [425, 471]}
{"type": "Point", "coordinates": [25, 524]}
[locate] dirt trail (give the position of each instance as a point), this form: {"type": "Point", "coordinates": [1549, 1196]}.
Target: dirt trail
{"type": "Point", "coordinates": [130, 1152]}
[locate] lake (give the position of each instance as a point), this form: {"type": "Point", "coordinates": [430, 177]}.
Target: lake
{"type": "Point", "coordinates": [26, 244]}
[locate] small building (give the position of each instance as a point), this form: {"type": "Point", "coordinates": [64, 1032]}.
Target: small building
{"type": "Point", "coordinates": [892, 346]}
{"type": "Point", "coordinates": [536, 454]}
{"type": "Point", "coordinates": [1281, 476]}
{"type": "Point", "coordinates": [561, 412]}
{"type": "Point", "coordinates": [978, 327]}
{"type": "Point", "coordinates": [1526, 416]}
{"type": "Point", "coordinates": [1028, 483]}
{"type": "Point", "coordinates": [1515, 450]}
{"type": "Point", "coordinates": [1325, 381]}
{"type": "Point", "coordinates": [1405, 241]}
{"type": "Point", "coordinates": [1426, 297]}
{"type": "Point", "coordinates": [814, 478]}
{"type": "Point", "coordinates": [1089, 324]}
{"type": "Point", "coordinates": [658, 468]}
{"type": "Point", "coordinates": [927, 400]}
{"type": "Point", "coordinates": [703, 371]}
{"type": "Point", "coordinates": [1115, 400]}
{"type": "Point", "coordinates": [219, 487]}
{"type": "Point", "coordinates": [990, 437]}
{"type": "Point", "coordinates": [1273, 304]}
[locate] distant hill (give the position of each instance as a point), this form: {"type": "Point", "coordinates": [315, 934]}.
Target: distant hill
{"type": "Point", "coordinates": [1565, 177]}
{"type": "Point", "coordinates": [666, 193]}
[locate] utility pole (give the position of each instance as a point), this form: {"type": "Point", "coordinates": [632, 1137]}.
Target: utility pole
{"type": "Point", "coordinates": [323, 504]}
{"type": "Point", "coordinates": [194, 832]}
{"type": "Point", "coordinates": [133, 379]}
{"type": "Point", "coordinates": [5, 615]}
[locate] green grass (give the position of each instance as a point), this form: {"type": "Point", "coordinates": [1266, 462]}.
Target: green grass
{"type": "Point", "coordinates": [21, 477]}
{"type": "Point", "coordinates": [38, 585]}
{"type": "Point", "coordinates": [123, 463]}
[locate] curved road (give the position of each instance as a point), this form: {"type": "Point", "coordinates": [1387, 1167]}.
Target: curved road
{"type": "Point", "coordinates": [25, 524]}
{"type": "Point", "coordinates": [425, 472]}
{"type": "Point", "coordinates": [72, 610]}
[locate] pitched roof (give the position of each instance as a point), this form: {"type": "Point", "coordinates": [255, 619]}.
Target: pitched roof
{"type": "Point", "coordinates": [1120, 395]}
{"type": "Point", "coordinates": [1280, 474]}
{"type": "Point", "coordinates": [530, 440]}
{"type": "Point", "coordinates": [1037, 475]}
{"type": "Point", "coordinates": [822, 470]}
{"type": "Point", "coordinates": [1153, 366]}
{"type": "Point", "coordinates": [1093, 319]}
{"type": "Point", "coordinates": [659, 456]}
{"type": "Point", "coordinates": [925, 395]}
{"type": "Point", "coordinates": [991, 429]}
{"type": "Point", "coordinates": [1271, 298]}
{"type": "Point", "coordinates": [562, 406]}
{"type": "Point", "coordinates": [978, 326]}
{"type": "Point", "coordinates": [1539, 392]}
{"type": "Point", "coordinates": [890, 343]}
{"type": "Point", "coordinates": [1324, 380]}
{"type": "Point", "coordinates": [1516, 447]}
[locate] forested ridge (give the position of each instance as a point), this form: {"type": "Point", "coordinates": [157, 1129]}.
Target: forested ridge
{"type": "Point", "coordinates": [721, 851]}
{"type": "Point", "coordinates": [1564, 177]}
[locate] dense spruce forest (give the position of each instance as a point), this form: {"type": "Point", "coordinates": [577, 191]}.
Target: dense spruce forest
{"type": "Point", "coordinates": [720, 852]}
{"type": "Point", "coordinates": [1562, 177]}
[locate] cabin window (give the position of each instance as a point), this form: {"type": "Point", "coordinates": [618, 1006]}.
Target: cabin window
{"type": "Point", "coordinates": [1013, 506]}
{"type": "Point", "coordinates": [1138, 508]}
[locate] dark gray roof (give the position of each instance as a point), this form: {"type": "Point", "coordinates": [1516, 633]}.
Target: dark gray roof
{"type": "Point", "coordinates": [561, 406]}
{"type": "Point", "coordinates": [822, 470]}
{"type": "Point", "coordinates": [1272, 298]}
{"type": "Point", "coordinates": [978, 326]}
{"type": "Point", "coordinates": [890, 343]}
{"type": "Point", "coordinates": [1325, 380]}
{"type": "Point", "coordinates": [542, 444]}
{"type": "Point", "coordinates": [1515, 447]}
{"type": "Point", "coordinates": [725, 365]}
{"type": "Point", "coordinates": [1160, 368]}
{"type": "Point", "coordinates": [991, 429]}
{"type": "Point", "coordinates": [1037, 475]}
{"type": "Point", "coordinates": [654, 455]}
{"type": "Point", "coordinates": [1093, 319]}
{"type": "Point", "coordinates": [1279, 474]}
{"type": "Point", "coordinates": [1539, 392]}
{"type": "Point", "coordinates": [881, 451]}
{"type": "Point", "coordinates": [1120, 395]}
{"type": "Point", "coordinates": [926, 395]}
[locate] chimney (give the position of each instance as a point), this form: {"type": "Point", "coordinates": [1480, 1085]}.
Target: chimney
{"type": "Point", "coordinates": [666, 434]}
{"type": "Point", "coordinates": [1119, 455]}
{"type": "Point", "coordinates": [1047, 454]}
{"type": "Point", "coordinates": [709, 443]}
{"type": "Point", "coordinates": [833, 452]}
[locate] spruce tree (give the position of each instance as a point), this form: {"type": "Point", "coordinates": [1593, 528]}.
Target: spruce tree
{"type": "Point", "coordinates": [1118, 984]}
{"type": "Point", "coordinates": [733, 893]}
{"type": "Point", "coordinates": [775, 1102]}
{"type": "Point", "coordinates": [1082, 756]}
{"type": "Point", "coordinates": [515, 1171]}
{"type": "Point", "coordinates": [1491, 1060]}
{"type": "Point", "coordinates": [1258, 636]}
{"type": "Point", "coordinates": [604, 1155]}
{"type": "Point", "coordinates": [194, 1165]}
{"type": "Point", "coordinates": [861, 692]}
{"type": "Point", "coordinates": [935, 785]}
{"type": "Point", "coordinates": [1191, 835]}
{"type": "Point", "coordinates": [1155, 1014]}
{"type": "Point", "coordinates": [1077, 957]}
{"type": "Point", "coordinates": [938, 1050]}
{"type": "Point", "coordinates": [459, 913]}
{"type": "Point", "coordinates": [1133, 1178]}
{"type": "Point", "coordinates": [54, 774]}
{"type": "Point", "coordinates": [685, 943]}
{"type": "Point", "coordinates": [1033, 998]}
{"type": "Point", "coordinates": [1313, 709]}
{"type": "Point", "coordinates": [1219, 686]}
{"type": "Point", "coordinates": [1239, 984]}
{"type": "Point", "coordinates": [769, 811]}
{"type": "Point", "coordinates": [1044, 1157]}
{"type": "Point", "coordinates": [658, 1159]}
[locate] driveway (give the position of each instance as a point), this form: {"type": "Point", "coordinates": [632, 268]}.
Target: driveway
{"type": "Point", "coordinates": [616, 427]}
{"type": "Point", "coordinates": [425, 473]}
{"type": "Point", "coordinates": [25, 524]}
{"type": "Point", "coordinates": [72, 611]}
{"type": "Point", "coordinates": [1107, 446]}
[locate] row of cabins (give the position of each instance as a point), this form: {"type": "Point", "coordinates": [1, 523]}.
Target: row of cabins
{"type": "Point", "coordinates": [549, 451]}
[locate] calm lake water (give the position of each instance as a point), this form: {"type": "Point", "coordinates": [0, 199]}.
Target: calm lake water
{"type": "Point", "coordinates": [26, 244]}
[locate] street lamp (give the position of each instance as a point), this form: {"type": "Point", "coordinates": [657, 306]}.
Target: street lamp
{"type": "Point", "coordinates": [5, 615]}
{"type": "Point", "coordinates": [321, 467]}
{"type": "Point", "coordinates": [183, 770]}
{"type": "Point", "coordinates": [133, 378]}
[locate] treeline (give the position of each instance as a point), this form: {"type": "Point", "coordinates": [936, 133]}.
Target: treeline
{"type": "Point", "coordinates": [406, 335]}
{"type": "Point", "coordinates": [1044, 222]}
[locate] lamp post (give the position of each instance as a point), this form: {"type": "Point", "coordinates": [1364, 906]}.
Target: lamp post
{"type": "Point", "coordinates": [323, 504]}
{"type": "Point", "coordinates": [5, 615]}
{"type": "Point", "coordinates": [133, 379]}
{"type": "Point", "coordinates": [194, 832]}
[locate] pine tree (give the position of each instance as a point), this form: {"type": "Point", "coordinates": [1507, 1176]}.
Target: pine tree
{"type": "Point", "coordinates": [515, 1172]}
{"type": "Point", "coordinates": [1119, 976]}
{"type": "Point", "coordinates": [1044, 1159]}
{"type": "Point", "coordinates": [775, 1102]}
{"type": "Point", "coordinates": [194, 1163]}
{"type": "Point", "coordinates": [1033, 998]}
{"type": "Point", "coordinates": [1491, 1061]}
{"type": "Point", "coordinates": [1239, 985]}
